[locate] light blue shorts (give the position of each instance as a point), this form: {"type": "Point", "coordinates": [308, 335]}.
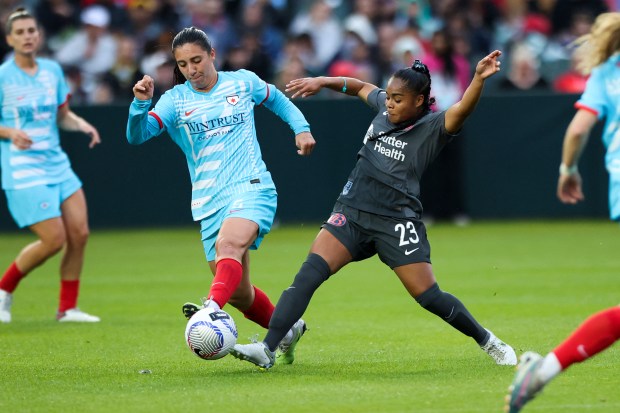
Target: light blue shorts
{"type": "Point", "coordinates": [256, 206]}
{"type": "Point", "coordinates": [29, 206]}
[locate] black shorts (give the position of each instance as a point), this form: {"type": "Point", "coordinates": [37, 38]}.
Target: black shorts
{"type": "Point", "coordinates": [397, 241]}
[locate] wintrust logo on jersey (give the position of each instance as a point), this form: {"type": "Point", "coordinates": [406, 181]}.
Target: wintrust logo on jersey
{"type": "Point", "coordinates": [211, 124]}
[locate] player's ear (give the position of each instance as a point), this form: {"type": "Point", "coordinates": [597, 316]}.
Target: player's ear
{"type": "Point", "coordinates": [419, 100]}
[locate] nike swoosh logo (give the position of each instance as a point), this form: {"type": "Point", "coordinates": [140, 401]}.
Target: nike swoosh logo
{"type": "Point", "coordinates": [407, 252]}
{"type": "Point", "coordinates": [187, 113]}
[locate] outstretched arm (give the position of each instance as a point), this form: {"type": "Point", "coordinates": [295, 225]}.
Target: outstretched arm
{"type": "Point", "coordinates": [287, 111]}
{"type": "Point", "coordinates": [68, 120]}
{"type": "Point", "coordinates": [575, 139]}
{"type": "Point", "coordinates": [458, 113]}
{"type": "Point", "coordinates": [309, 86]}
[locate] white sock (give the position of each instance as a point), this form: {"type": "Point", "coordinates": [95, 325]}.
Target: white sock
{"type": "Point", "coordinates": [288, 337]}
{"type": "Point", "coordinates": [212, 304]}
{"type": "Point", "coordinates": [549, 368]}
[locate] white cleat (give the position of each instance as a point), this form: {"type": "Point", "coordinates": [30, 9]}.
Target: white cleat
{"type": "Point", "coordinates": [502, 353]}
{"type": "Point", "coordinates": [6, 299]}
{"type": "Point", "coordinates": [526, 384]}
{"type": "Point", "coordinates": [256, 353]}
{"type": "Point", "coordinates": [75, 315]}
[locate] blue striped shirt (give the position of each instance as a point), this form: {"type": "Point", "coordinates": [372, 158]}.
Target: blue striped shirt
{"type": "Point", "coordinates": [216, 132]}
{"type": "Point", "coordinates": [30, 103]}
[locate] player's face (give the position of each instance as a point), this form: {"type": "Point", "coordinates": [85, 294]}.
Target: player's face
{"type": "Point", "coordinates": [402, 104]}
{"type": "Point", "coordinates": [24, 36]}
{"type": "Point", "coordinates": [196, 64]}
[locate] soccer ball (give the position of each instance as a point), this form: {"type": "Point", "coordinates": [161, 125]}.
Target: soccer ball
{"type": "Point", "coordinates": [211, 334]}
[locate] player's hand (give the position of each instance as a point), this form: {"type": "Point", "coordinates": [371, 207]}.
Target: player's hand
{"type": "Point", "coordinates": [569, 189]}
{"type": "Point", "coordinates": [304, 87]}
{"type": "Point", "coordinates": [489, 65]}
{"type": "Point", "coordinates": [144, 88]}
{"type": "Point", "coordinates": [305, 143]}
{"type": "Point", "coordinates": [20, 139]}
{"type": "Point", "coordinates": [95, 139]}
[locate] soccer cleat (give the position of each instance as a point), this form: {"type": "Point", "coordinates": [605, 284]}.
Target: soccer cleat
{"type": "Point", "coordinates": [6, 299]}
{"type": "Point", "coordinates": [526, 385]}
{"type": "Point", "coordinates": [75, 315]}
{"type": "Point", "coordinates": [501, 352]}
{"type": "Point", "coordinates": [256, 353]}
{"type": "Point", "coordinates": [285, 353]}
{"type": "Point", "coordinates": [189, 309]}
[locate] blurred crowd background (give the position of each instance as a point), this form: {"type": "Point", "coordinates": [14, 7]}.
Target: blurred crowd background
{"type": "Point", "coordinates": [106, 45]}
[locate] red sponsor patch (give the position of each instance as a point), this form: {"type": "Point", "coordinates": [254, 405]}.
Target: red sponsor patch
{"type": "Point", "coordinates": [337, 220]}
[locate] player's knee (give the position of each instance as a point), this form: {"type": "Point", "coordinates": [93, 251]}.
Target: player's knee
{"type": "Point", "coordinates": [227, 247]}
{"type": "Point", "coordinates": [79, 236]}
{"type": "Point", "coordinates": [428, 297]}
{"type": "Point", "coordinates": [54, 242]}
{"type": "Point", "coordinates": [313, 272]}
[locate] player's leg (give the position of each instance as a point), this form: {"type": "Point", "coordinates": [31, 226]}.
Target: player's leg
{"type": "Point", "coordinates": [75, 221]}
{"type": "Point", "coordinates": [37, 208]}
{"type": "Point", "coordinates": [233, 241]}
{"type": "Point", "coordinates": [51, 238]}
{"type": "Point", "coordinates": [253, 303]}
{"type": "Point", "coordinates": [227, 237]}
{"type": "Point", "coordinates": [596, 334]}
{"type": "Point", "coordinates": [403, 245]}
{"type": "Point", "coordinates": [231, 271]}
{"type": "Point", "coordinates": [420, 282]}
{"type": "Point", "coordinates": [327, 255]}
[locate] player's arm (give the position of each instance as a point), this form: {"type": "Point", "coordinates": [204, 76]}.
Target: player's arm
{"type": "Point", "coordinates": [68, 120]}
{"type": "Point", "coordinates": [309, 86]}
{"type": "Point", "coordinates": [458, 113]}
{"type": "Point", "coordinates": [575, 139]}
{"type": "Point", "coordinates": [279, 104]}
{"type": "Point", "coordinates": [140, 126]}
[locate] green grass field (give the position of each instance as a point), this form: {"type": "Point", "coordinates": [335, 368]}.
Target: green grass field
{"type": "Point", "coordinates": [370, 347]}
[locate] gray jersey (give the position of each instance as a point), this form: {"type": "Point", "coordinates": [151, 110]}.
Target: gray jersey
{"type": "Point", "coordinates": [386, 178]}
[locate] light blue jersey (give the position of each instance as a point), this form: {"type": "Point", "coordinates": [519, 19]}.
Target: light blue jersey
{"type": "Point", "coordinates": [216, 132]}
{"type": "Point", "coordinates": [30, 103]}
{"type": "Point", "coordinates": [602, 97]}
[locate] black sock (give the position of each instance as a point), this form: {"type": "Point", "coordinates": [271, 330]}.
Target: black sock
{"type": "Point", "coordinates": [451, 310]}
{"type": "Point", "coordinates": [295, 299]}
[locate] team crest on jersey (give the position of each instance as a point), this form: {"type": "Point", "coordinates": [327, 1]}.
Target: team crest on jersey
{"type": "Point", "coordinates": [337, 220]}
{"type": "Point", "coordinates": [232, 99]}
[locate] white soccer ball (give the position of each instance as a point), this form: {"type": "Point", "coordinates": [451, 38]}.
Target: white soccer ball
{"type": "Point", "coordinates": [211, 334]}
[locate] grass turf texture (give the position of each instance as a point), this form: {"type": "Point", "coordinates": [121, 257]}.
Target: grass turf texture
{"type": "Point", "coordinates": [370, 347]}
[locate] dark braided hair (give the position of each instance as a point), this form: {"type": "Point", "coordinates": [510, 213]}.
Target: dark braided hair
{"type": "Point", "coordinates": [189, 35]}
{"type": "Point", "coordinates": [18, 14]}
{"type": "Point", "coordinates": [416, 79]}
